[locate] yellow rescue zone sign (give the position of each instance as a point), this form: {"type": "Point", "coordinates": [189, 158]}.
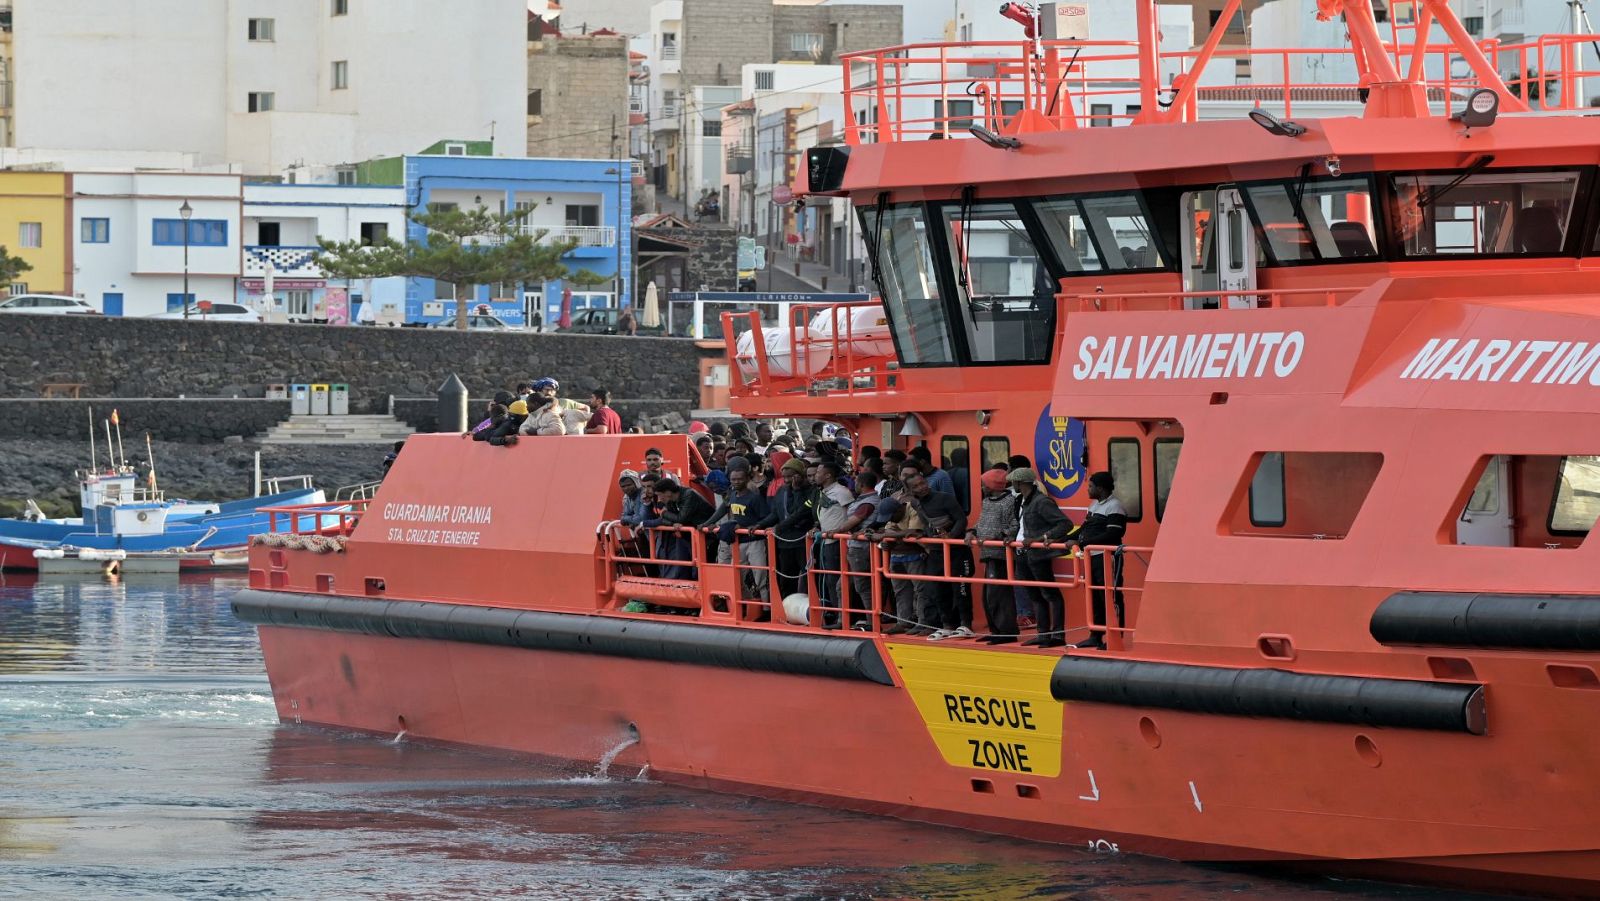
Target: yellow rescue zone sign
{"type": "Point", "coordinates": [985, 711]}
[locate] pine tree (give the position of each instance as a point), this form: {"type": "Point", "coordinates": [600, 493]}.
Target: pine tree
{"type": "Point", "coordinates": [463, 248]}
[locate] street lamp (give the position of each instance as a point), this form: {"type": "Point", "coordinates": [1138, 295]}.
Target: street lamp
{"type": "Point", "coordinates": [184, 212]}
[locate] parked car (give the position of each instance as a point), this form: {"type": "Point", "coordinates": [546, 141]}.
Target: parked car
{"type": "Point", "coordinates": [214, 312]}
{"type": "Point", "coordinates": [54, 304]}
{"type": "Point", "coordinates": [477, 322]}
{"type": "Point", "coordinates": [603, 321]}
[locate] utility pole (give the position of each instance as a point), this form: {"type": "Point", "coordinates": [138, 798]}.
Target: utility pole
{"type": "Point", "coordinates": [616, 238]}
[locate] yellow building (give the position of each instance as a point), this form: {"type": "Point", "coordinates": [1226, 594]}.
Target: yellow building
{"type": "Point", "coordinates": [35, 224]}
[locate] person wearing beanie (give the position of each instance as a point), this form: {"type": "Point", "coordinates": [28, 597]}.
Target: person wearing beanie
{"type": "Point", "coordinates": [505, 434]}
{"type": "Point", "coordinates": [1040, 520]}
{"type": "Point", "coordinates": [1104, 525]}
{"type": "Point", "coordinates": [997, 521]}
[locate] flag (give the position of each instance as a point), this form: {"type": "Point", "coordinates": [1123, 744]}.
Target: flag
{"type": "Point", "coordinates": [151, 478]}
{"type": "Point", "coordinates": [114, 419]}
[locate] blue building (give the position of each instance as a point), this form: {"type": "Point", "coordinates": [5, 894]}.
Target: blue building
{"type": "Point", "coordinates": [589, 201]}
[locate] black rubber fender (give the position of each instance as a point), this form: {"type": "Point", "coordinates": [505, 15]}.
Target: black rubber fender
{"type": "Point", "coordinates": [675, 641]}
{"type": "Point", "coordinates": [1545, 622]}
{"type": "Point", "coordinates": [1274, 693]}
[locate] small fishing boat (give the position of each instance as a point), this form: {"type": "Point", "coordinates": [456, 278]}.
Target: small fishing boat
{"type": "Point", "coordinates": [123, 521]}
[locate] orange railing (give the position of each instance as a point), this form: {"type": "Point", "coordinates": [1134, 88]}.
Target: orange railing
{"type": "Point", "coordinates": [833, 362]}
{"type": "Point", "coordinates": [721, 592]}
{"type": "Point", "coordinates": [1257, 298]}
{"type": "Point", "coordinates": [918, 91]}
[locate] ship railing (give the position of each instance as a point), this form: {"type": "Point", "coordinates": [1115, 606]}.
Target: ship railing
{"type": "Point", "coordinates": [326, 518]}
{"type": "Point", "coordinates": [1251, 299]}
{"type": "Point", "coordinates": [807, 357]}
{"type": "Point", "coordinates": [1122, 569]}
{"type": "Point", "coordinates": [359, 491]}
{"type": "Point", "coordinates": [1548, 72]}
{"type": "Point", "coordinates": [913, 92]}
{"type": "Point", "coordinates": [720, 592]}
{"type": "Point", "coordinates": [280, 484]}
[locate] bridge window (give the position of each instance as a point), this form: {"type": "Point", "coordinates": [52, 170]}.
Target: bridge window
{"type": "Point", "coordinates": [1489, 213]}
{"type": "Point", "coordinates": [1308, 221]}
{"type": "Point", "coordinates": [898, 239]}
{"type": "Point", "coordinates": [1097, 234]}
{"type": "Point", "coordinates": [1303, 494]}
{"type": "Point", "coordinates": [1008, 305]}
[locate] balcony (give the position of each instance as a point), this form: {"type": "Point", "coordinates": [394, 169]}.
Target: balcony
{"type": "Point", "coordinates": [669, 51]}
{"type": "Point", "coordinates": [287, 262]}
{"type": "Point", "coordinates": [584, 235]}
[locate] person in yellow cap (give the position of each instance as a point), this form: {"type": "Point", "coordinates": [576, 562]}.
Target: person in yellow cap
{"type": "Point", "coordinates": [1040, 521]}
{"type": "Point", "coordinates": [505, 433]}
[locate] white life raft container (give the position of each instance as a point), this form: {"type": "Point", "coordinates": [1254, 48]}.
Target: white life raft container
{"type": "Point", "coordinates": [782, 359]}
{"type": "Point", "coordinates": [863, 331]}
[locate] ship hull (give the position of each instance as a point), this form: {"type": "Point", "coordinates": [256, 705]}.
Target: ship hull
{"type": "Point", "coordinates": [1235, 790]}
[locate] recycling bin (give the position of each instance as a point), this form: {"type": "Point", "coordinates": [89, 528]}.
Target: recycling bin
{"type": "Point", "coordinates": [277, 392]}
{"type": "Point", "coordinates": [319, 400]}
{"type": "Point", "coordinates": [339, 399]}
{"type": "Point", "coordinates": [299, 399]}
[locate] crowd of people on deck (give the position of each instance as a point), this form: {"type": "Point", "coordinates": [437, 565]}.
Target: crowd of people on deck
{"type": "Point", "coordinates": [756, 496]}
{"type": "Point", "coordinates": [804, 512]}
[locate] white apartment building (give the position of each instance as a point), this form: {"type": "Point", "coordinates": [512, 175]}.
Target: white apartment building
{"type": "Point", "coordinates": [663, 107]}
{"type": "Point", "coordinates": [703, 129]}
{"type": "Point", "coordinates": [280, 229]}
{"type": "Point", "coordinates": [267, 84]}
{"type": "Point", "coordinates": [128, 239]}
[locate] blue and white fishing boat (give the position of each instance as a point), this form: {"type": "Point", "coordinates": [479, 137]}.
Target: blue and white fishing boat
{"type": "Point", "coordinates": [124, 521]}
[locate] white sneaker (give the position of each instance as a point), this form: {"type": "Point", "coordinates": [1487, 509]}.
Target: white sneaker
{"type": "Point", "coordinates": [941, 635]}
{"type": "Point", "coordinates": [962, 632]}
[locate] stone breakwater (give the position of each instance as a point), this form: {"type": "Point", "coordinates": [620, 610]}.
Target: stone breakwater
{"type": "Point", "coordinates": [154, 358]}
{"type": "Point", "coordinates": [43, 470]}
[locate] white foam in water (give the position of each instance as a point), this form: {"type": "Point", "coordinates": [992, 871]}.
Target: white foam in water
{"type": "Point", "coordinates": [644, 774]}
{"type": "Point", "coordinates": [398, 737]}
{"type": "Point", "coordinates": [602, 768]}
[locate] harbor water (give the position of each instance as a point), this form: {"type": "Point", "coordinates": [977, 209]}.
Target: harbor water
{"type": "Point", "coordinates": [140, 757]}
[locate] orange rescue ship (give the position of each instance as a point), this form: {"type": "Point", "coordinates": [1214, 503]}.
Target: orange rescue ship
{"type": "Point", "coordinates": [1344, 370]}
